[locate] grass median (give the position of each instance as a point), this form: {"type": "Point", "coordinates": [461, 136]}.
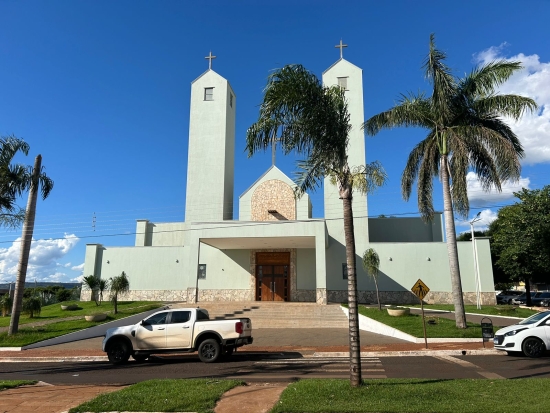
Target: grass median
{"type": "Point", "coordinates": [196, 395]}
{"type": "Point", "coordinates": [415, 395]}
{"type": "Point", "coordinates": [32, 334]}
{"type": "Point", "coordinates": [10, 384]}
{"type": "Point", "coordinates": [500, 310]}
{"type": "Point", "coordinates": [412, 324]}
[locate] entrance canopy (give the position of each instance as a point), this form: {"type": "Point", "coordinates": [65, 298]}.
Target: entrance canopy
{"type": "Point", "coordinates": [255, 243]}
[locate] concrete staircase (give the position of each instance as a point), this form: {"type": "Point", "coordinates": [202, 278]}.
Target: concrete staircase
{"type": "Point", "coordinates": [278, 314]}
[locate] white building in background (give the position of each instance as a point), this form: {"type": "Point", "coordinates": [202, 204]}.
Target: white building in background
{"type": "Point", "coordinates": [275, 251]}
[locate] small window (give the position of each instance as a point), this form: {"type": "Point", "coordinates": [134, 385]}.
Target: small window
{"type": "Point", "coordinates": [180, 317]}
{"type": "Point", "coordinates": [202, 272]}
{"type": "Point", "coordinates": [231, 99]}
{"type": "Point", "coordinates": [208, 93]}
{"type": "Point", "coordinates": [345, 271]}
{"type": "Point", "coordinates": [343, 82]}
{"type": "Point", "coordinates": [202, 314]}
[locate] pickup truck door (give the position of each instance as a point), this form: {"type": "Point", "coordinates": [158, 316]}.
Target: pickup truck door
{"type": "Point", "coordinates": [179, 330]}
{"type": "Point", "coordinates": [151, 333]}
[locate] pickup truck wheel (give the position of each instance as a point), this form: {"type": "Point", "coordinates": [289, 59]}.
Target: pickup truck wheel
{"type": "Point", "coordinates": [209, 350]}
{"type": "Point", "coordinates": [140, 357]}
{"type": "Point", "coordinates": [118, 352]}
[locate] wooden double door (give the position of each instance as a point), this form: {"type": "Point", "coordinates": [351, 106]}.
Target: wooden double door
{"type": "Point", "coordinates": [272, 276]}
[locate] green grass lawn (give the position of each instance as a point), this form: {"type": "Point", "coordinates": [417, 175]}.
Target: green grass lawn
{"type": "Point", "coordinates": [53, 311]}
{"type": "Point", "coordinates": [503, 310]}
{"type": "Point", "coordinates": [197, 395]}
{"type": "Point", "coordinates": [412, 324]}
{"type": "Point", "coordinates": [10, 384]}
{"type": "Point", "coordinates": [28, 334]}
{"type": "Point", "coordinates": [416, 395]}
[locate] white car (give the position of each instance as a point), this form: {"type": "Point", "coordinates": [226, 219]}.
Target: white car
{"type": "Point", "coordinates": [530, 336]}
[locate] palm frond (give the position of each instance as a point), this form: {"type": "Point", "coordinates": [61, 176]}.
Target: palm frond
{"type": "Point", "coordinates": [410, 111]}
{"type": "Point", "coordinates": [513, 106]}
{"type": "Point", "coordinates": [309, 176]}
{"type": "Point", "coordinates": [426, 174]}
{"type": "Point", "coordinates": [482, 81]}
{"type": "Point", "coordinates": [410, 173]}
{"type": "Point", "coordinates": [367, 178]}
{"type": "Point", "coordinates": [458, 168]}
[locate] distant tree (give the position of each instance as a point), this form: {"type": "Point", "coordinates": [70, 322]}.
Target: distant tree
{"type": "Point", "coordinates": [521, 237]}
{"type": "Point", "coordinates": [119, 285]}
{"type": "Point", "coordinates": [466, 131]}
{"type": "Point", "coordinates": [467, 236]}
{"type": "Point", "coordinates": [63, 294]}
{"type": "Point", "coordinates": [371, 264]}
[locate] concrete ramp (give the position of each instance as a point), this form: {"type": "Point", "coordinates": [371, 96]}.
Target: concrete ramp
{"type": "Point", "coordinates": [92, 332]}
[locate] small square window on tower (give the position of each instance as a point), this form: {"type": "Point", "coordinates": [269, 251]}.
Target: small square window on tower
{"type": "Point", "coordinates": [208, 93]}
{"type": "Point", "coordinates": [343, 82]}
{"type": "Point", "coordinates": [231, 99]}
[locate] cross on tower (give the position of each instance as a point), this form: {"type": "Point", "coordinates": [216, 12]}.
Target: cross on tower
{"type": "Point", "coordinates": [341, 47]}
{"type": "Point", "coordinates": [210, 57]}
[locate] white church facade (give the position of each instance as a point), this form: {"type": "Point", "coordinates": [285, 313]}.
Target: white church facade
{"type": "Point", "coordinates": [275, 250]}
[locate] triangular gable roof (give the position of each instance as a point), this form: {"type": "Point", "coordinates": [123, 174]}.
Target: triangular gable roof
{"type": "Point", "coordinates": [216, 73]}
{"type": "Point", "coordinates": [277, 174]}
{"type": "Point", "coordinates": [338, 61]}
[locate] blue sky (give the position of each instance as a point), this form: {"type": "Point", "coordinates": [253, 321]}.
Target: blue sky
{"type": "Point", "coordinates": [101, 89]}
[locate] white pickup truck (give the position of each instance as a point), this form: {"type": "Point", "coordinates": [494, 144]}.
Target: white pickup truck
{"type": "Point", "coordinates": [177, 330]}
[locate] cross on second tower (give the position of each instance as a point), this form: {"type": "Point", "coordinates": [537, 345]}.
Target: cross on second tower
{"type": "Point", "coordinates": [210, 58]}
{"type": "Point", "coordinates": [341, 47]}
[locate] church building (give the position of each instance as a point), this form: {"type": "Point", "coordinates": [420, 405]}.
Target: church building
{"type": "Point", "coordinates": [275, 250]}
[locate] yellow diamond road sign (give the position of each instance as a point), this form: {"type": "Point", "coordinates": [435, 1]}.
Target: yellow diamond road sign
{"type": "Point", "coordinates": [420, 289]}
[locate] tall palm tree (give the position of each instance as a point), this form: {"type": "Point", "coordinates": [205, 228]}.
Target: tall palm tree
{"type": "Point", "coordinates": [371, 265]}
{"type": "Point", "coordinates": [12, 181]}
{"type": "Point", "coordinates": [313, 121]}
{"type": "Point", "coordinates": [465, 132]}
{"type": "Point", "coordinates": [119, 285]}
{"type": "Point", "coordinates": [34, 179]}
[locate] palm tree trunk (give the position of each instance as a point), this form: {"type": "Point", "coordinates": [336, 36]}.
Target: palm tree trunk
{"type": "Point", "coordinates": [26, 239]}
{"type": "Point", "coordinates": [452, 250]}
{"type": "Point", "coordinates": [377, 293]}
{"type": "Point", "coordinates": [354, 341]}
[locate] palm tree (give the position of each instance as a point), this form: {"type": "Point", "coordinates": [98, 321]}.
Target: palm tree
{"type": "Point", "coordinates": [313, 120]}
{"type": "Point", "coordinates": [33, 179]}
{"type": "Point", "coordinates": [101, 287]}
{"type": "Point", "coordinates": [465, 132]}
{"type": "Point", "coordinates": [91, 282]}
{"type": "Point", "coordinates": [12, 181]}
{"type": "Point", "coordinates": [119, 285]}
{"type": "Point", "coordinates": [371, 264]}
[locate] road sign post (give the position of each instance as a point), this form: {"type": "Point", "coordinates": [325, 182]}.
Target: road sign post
{"type": "Point", "coordinates": [420, 290]}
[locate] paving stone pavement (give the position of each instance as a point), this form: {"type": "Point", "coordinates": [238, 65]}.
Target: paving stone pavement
{"type": "Point", "coordinates": [46, 398]}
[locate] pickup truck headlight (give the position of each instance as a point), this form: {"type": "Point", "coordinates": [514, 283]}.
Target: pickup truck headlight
{"type": "Point", "coordinates": [514, 332]}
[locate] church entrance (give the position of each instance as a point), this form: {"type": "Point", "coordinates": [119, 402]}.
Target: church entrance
{"type": "Point", "coordinates": [272, 276]}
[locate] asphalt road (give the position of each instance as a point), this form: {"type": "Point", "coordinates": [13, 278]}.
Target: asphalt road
{"type": "Point", "coordinates": [278, 367]}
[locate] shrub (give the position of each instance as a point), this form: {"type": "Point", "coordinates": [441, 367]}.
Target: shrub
{"type": "Point", "coordinates": [32, 306]}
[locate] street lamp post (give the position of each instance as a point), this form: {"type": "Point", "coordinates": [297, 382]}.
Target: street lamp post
{"type": "Point", "coordinates": [476, 266]}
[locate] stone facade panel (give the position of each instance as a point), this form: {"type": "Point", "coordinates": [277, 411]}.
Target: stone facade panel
{"type": "Point", "coordinates": [275, 196]}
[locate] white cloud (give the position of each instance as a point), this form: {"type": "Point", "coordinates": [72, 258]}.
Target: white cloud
{"type": "Point", "coordinates": [78, 267]}
{"type": "Point", "coordinates": [533, 81]}
{"type": "Point", "coordinates": [43, 258]}
{"type": "Point", "coordinates": [485, 218]}
{"type": "Point", "coordinates": [77, 279]}
{"type": "Point", "coordinates": [477, 196]}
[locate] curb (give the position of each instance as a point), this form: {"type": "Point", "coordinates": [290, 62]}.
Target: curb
{"type": "Point", "coordinates": [415, 353]}
{"type": "Point", "coordinates": [336, 354]}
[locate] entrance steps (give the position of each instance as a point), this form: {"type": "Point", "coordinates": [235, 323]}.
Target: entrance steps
{"type": "Point", "coordinates": [277, 314]}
